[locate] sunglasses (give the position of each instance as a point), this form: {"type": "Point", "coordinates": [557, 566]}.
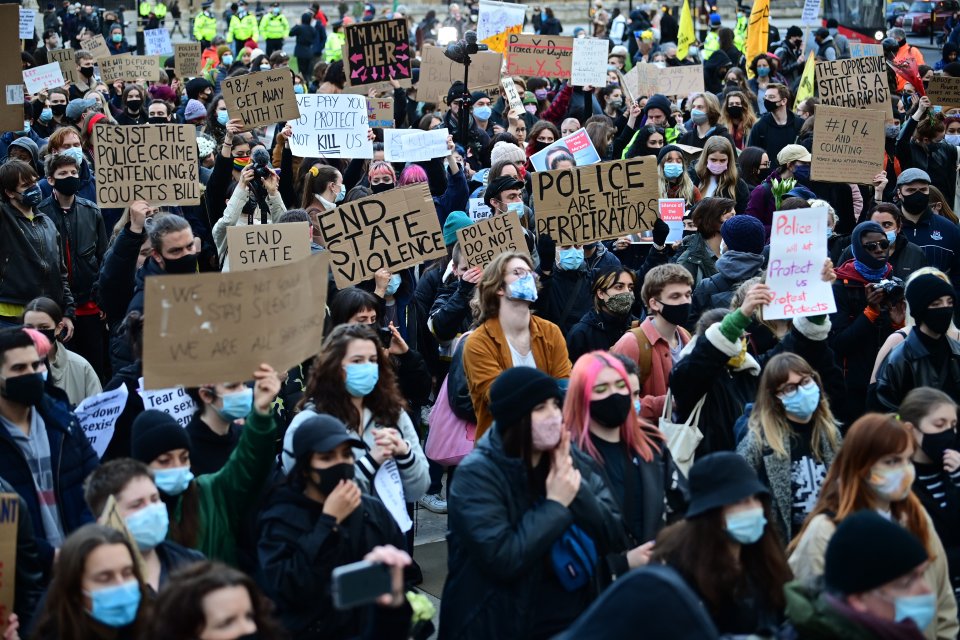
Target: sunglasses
{"type": "Point", "coordinates": [879, 244]}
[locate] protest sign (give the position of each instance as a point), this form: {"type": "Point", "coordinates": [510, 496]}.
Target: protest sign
{"type": "Point", "coordinates": [380, 112]}
{"type": "Point", "coordinates": [389, 488]}
{"type": "Point", "coordinates": [478, 210]}
{"type": "Point", "coordinates": [28, 24]}
{"type": "Point", "coordinates": [261, 98]}
{"type": "Point", "coordinates": [331, 126]}
{"type": "Point", "coordinates": [483, 241]}
{"type": "Point", "coordinates": [863, 50]}
{"type": "Point", "coordinates": [641, 80]}
{"type": "Point", "coordinates": [798, 248]}
{"type": "Point", "coordinates": [578, 144]}
{"type": "Point", "coordinates": [438, 72]}
{"type": "Point", "coordinates": [9, 517]}
{"type": "Point", "coordinates": [671, 211]}
{"type": "Point", "coordinates": [847, 145]}
{"type": "Point", "coordinates": [175, 402]}
{"type": "Point", "coordinates": [43, 77]}
{"type": "Point", "coordinates": [944, 91]}
{"type": "Point", "coordinates": [859, 83]}
{"type": "Point", "coordinates": [393, 230]}
{"type": "Point", "coordinates": [11, 75]}
{"type": "Point", "coordinates": [98, 416]}
{"type": "Point", "coordinates": [376, 51]}
{"type": "Point", "coordinates": [68, 64]}
{"type": "Point", "coordinates": [187, 58]}
{"type": "Point", "coordinates": [513, 96]}
{"type": "Point", "coordinates": [129, 68]}
{"type": "Point", "coordinates": [156, 42]}
{"type": "Point", "coordinates": [589, 62]}
{"type": "Point", "coordinates": [541, 56]}
{"type": "Point", "coordinates": [496, 21]}
{"type": "Point", "coordinates": [598, 202]}
{"type": "Point", "coordinates": [678, 81]}
{"type": "Point", "coordinates": [152, 162]}
{"type": "Point", "coordinates": [97, 46]}
{"type": "Point", "coordinates": [811, 13]}
{"type": "Point", "coordinates": [219, 327]}
{"type": "Point", "coordinates": [256, 246]}
{"type": "Point", "coordinates": [414, 145]}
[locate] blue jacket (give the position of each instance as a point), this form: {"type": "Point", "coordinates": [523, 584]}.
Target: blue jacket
{"type": "Point", "coordinates": [10, 136]}
{"type": "Point", "coordinates": [940, 240]}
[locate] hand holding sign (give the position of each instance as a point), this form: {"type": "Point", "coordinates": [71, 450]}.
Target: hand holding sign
{"type": "Point", "coordinates": [798, 244]}
{"type": "Point", "coordinates": [759, 295]}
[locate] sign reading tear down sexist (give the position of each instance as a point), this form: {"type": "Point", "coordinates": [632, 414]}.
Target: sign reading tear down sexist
{"type": "Point", "coordinates": [597, 202]}
{"type": "Point", "coordinates": [261, 98]}
{"type": "Point", "coordinates": [393, 230]}
{"type": "Point", "coordinates": [859, 83]}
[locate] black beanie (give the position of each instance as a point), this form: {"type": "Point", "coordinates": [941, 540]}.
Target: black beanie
{"type": "Point", "coordinates": [868, 551]}
{"type": "Point", "coordinates": [856, 244]}
{"type": "Point", "coordinates": [154, 433]}
{"type": "Point", "coordinates": [658, 101]}
{"type": "Point", "coordinates": [516, 391]}
{"type": "Point", "coordinates": [923, 290]}
{"type": "Point", "coordinates": [662, 154]}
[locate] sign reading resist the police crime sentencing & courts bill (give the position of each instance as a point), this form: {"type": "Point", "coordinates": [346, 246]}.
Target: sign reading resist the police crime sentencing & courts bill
{"type": "Point", "coordinates": [798, 249]}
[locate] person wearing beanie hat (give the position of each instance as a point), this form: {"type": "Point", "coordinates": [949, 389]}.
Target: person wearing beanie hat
{"type": "Point", "coordinates": [194, 113]}
{"type": "Point", "coordinates": [727, 548]}
{"type": "Point", "coordinates": [199, 89]}
{"type": "Point", "coordinates": [741, 259]}
{"type": "Point", "coordinates": [516, 495]}
{"type": "Point", "coordinates": [936, 235]}
{"type": "Point", "coordinates": [455, 221]}
{"type": "Point", "coordinates": [206, 511]}
{"type": "Point", "coordinates": [505, 151]}
{"type": "Point", "coordinates": [503, 193]}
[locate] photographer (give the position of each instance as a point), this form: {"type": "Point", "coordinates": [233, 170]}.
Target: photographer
{"type": "Point", "coordinates": [477, 138]}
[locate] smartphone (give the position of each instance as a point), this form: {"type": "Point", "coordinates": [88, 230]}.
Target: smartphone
{"type": "Point", "coordinates": [359, 583]}
{"type": "Point", "coordinates": [386, 336]}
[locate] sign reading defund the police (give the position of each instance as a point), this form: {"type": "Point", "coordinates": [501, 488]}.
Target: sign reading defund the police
{"type": "Point", "coordinates": [393, 230]}
{"type": "Point", "coordinates": [597, 202]}
{"type": "Point", "coordinates": [860, 83]}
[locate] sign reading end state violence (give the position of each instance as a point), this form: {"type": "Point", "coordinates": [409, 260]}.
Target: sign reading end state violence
{"type": "Point", "coordinates": [597, 202]}
{"type": "Point", "coordinates": [256, 246]}
{"type": "Point", "coordinates": [847, 145]}
{"type": "Point", "coordinates": [261, 98]}
{"type": "Point", "coordinates": [483, 241]}
{"type": "Point", "coordinates": [393, 230]}
{"type": "Point", "coordinates": [205, 327]}
{"type": "Point", "coordinates": [798, 249]}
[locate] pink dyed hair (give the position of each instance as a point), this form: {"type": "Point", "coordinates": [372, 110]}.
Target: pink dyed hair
{"type": "Point", "coordinates": [40, 341]}
{"type": "Point", "coordinates": [638, 436]}
{"type": "Point", "coordinates": [412, 174]}
{"type": "Point", "coordinates": [382, 168]}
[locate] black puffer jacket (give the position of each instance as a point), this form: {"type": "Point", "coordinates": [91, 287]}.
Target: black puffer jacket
{"type": "Point", "coordinates": [564, 296]}
{"type": "Point", "coordinates": [596, 330]}
{"type": "Point", "coordinates": [118, 277]}
{"type": "Point", "coordinates": [910, 366]}
{"type": "Point", "coordinates": [83, 240]}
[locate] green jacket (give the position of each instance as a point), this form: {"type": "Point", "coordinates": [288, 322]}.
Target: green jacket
{"type": "Point", "coordinates": [333, 50]}
{"type": "Point", "coordinates": [814, 618]}
{"type": "Point", "coordinates": [227, 494]}
{"type": "Point", "coordinates": [711, 44]}
{"type": "Point", "coordinates": [274, 27]}
{"type": "Point", "coordinates": [204, 26]}
{"type": "Point", "coordinates": [243, 29]}
{"type": "Point", "coordinates": [740, 35]}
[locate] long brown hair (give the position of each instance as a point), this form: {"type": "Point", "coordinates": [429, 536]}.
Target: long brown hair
{"type": "Point", "coordinates": [326, 387]}
{"type": "Point", "coordinates": [486, 298]}
{"type": "Point", "coordinates": [726, 181]}
{"type": "Point", "coordinates": [184, 530]}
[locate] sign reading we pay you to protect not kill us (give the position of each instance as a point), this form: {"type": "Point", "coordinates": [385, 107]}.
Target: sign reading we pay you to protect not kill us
{"type": "Point", "coordinates": [798, 249]}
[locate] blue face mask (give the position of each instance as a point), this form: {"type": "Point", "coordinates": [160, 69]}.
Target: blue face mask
{"type": "Point", "coordinates": [393, 285]}
{"type": "Point", "coordinates": [362, 377]}
{"type": "Point", "coordinates": [298, 89]}
{"type": "Point", "coordinates": [699, 116]}
{"type": "Point", "coordinates": [524, 288]}
{"type": "Point", "coordinates": [891, 237]}
{"type": "Point", "coordinates": [116, 606]}
{"type": "Point", "coordinates": [116, 37]}
{"type": "Point", "coordinates": [173, 482]}
{"type": "Point", "coordinates": [672, 169]}
{"type": "Point", "coordinates": [802, 172]}
{"type": "Point", "coordinates": [802, 402]}
{"type": "Point", "coordinates": [892, 131]}
{"type": "Point", "coordinates": [516, 207]}
{"type": "Point", "coordinates": [46, 115]}
{"type": "Point", "coordinates": [746, 527]}
{"type": "Point", "coordinates": [237, 405]}
{"type": "Point", "coordinates": [227, 60]}
{"type": "Point", "coordinates": [149, 525]}
{"type": "Point", "coordinates": [342, 194]}
{"type": "Point", "coordinates": [483, 113]}
{"type": "Point", "coordinates": [829, 232]}
{"type": "Point", "coordinates": [569, 259]}
{"type": "Point", "coordinates": [763, 72]}
{"type": "Point", "coordinates": [921, 609]}
{"type": "Point", "coordinates": [74, 152]}
{"type": "Point", "coordinates": [953, 138]}
{"type": "Point", "coordinates": [222, 117]}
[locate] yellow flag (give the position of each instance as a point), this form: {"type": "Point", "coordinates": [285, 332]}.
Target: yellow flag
{"type": "Point", "coordinates": [686, 36]}
{"type": "Point", "coordinates": [805, 88]}
{"type": "Point", "coordinates": [758, 31]}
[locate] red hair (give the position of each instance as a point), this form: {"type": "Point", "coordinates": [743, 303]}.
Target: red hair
{"type": "Point", "coordinates": [636, 435]}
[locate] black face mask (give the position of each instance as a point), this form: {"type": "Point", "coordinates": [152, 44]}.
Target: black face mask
{"type": "Point", "coordinates": [58, 109]}
{"type": "Point", "coordinates": [934, 444]}
{"type": "Point", "coordinates": [688, 232]}
{"type": "Point", "coordinates": [612, 411]}
{"type": "Point", "coordinates": [539, 146]}
{"type": "Point", "coordinates": [937, 320]}
{"type": "Point", "coordinates": [157, 120]}
{"type": "Point", "coordinates": [735, 111]}
{"type": "Point", "coordinates": [380, 188]}
{"type": "Point", "coordinates": [50, 334]}
{"type": "Point", "coordinates": [676, 314]}
{"type": "Point", "coordinates": [133, 106]}
{"type": "Point", "coordinates": [770, 105]}
{"type": "Point", "coordinates": [67, 186]}
{"type": "Point", "coordinates": [26, 389]}
{"type": "Point", "coordinates": [331, 476]}
{"type": "Point", "coordinates": [186, 264]}
{"type": "Point", "coordinates": [86, 72]}
{"type": "Point", "coordinates": [916, 202]}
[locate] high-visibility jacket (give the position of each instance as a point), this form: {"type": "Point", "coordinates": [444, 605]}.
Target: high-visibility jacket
{"type": "Point", "coordinates": [205, 26]}
{"type": "Point", "coordinates": [333, 51]}
{"type": "Point", "coordinates": [243, 29]}
{"type": "Point", "coordinates": [146, 8]}
{"type": "Point", "coordinates": [273, 27]}
{"type": "Point", "coordinates": [711, 44]}
{"type": "Point", "coordinates": [160, 10]}
{"type": "Point", "coordinates": [740, 34]}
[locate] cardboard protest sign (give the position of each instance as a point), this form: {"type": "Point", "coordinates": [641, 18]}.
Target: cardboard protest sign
{"type": "Point", "coordinates": [9, 518]}
{"type": "Point", "coordinates": [798, 248]}
{"type": "Point", "coordinates": [678, 81]}
{"type": "Point", "coordinates": [256, 246]}
{"type": "Point", "coordinates": [68, 64]}
{"type": "Point", "coordinates": [478, 210]}
{"type": "Point", "coordinates": [153, 162]}
{"type": "Point", "coordinates": [859, 83]}
{"type": "Point", "coordinates": [589, 62]}
{"type": "Point", "coordinates": [496, 21]}
{"type": "Point", "coordinates": [598, 202]}
{"type": "Point", "coordinates": [578, 144]}
{"type": "Point", "coordinates": [187, 58]}
{"type": "Point", "coordinates": [863, 50]}
{"type": "Point", "coordinates": [393, 230]}
{"type": "Point", "coordinates": [28, 24]}
{"type": "Point", "coordinates": [641, 80]}
{"type": "Point", "coordinates": [513, 96]}
{"type": "Point", "coordinates": [376, 51]}
{"type": "Point", "coordinates": [944, 91]}
{"type": "Point", "coordinates": [541, 56]}
{"type": "Point", "coordinates": [129, 68]}
{"type": "Point", "coordinates": [175, 402]}
{"type": "Point", "coordinates": [438, 72]}
{"type": "Point", "coordinates": [97, 46]}
{"type": "Point", "coordinates": [483, 241]}
{"type": "Point", "coordinates": [414, 145]}
{"type": "Point", "coordinates": [811, 13]}
{"type": "Point", "coordinates": [847, 144]}
{"type": "Point", "coordinates": [156, 42]}
{"type": "Point", "coordinates": [261, 98]}
{"type": "Point", "coordinates": [47, 76]}
{"type": "Point", "coordinates": [671, 211]}
{"type": "Point", "coordinates": [98, 416]}
{"type": "Point", "coordinates": [11, 75]}
{"type": "Point", "coordinates": [331, 126]}
{"type": "Point", "coordinates": [380, 112]}
{"type": "Point", "coordinates": [217, 327]}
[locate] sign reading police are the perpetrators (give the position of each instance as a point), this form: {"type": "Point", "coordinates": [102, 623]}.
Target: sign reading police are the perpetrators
{"type": "Point", "coordinates": [944, 91]}
{"type": "Point", "coordinates": [392, 230]}
{"type": "Point", "coordinates": [261, 98]}
{"type": "Point", "coordinates": [438, 72]}
{"type": "Point", "coordinates": [597, 202]}
{"type": "Point", "coordinates": [155, 162]}
{"type": "Point", "coordinates": [414, 145]}
{"type": "Point", "coordinates": [798, 249]}
{"type": "Point", "coordinates": [256, 246]}
{"type": "Point", "coordinates": [380, 113]}
{"type": "Point", "coordinates": [9, 517]}
{"type": "Point", "coordinates": [331, 126]}
{"type": "Point", "coordinates": [97, 46]}
{"type": "Point", "coordinates": [540, 56]}
{"type": "Point", "coordinates": [589, 62]}
{"type": "Point", "coordinates": [483, 241]}
{"type": "Point", "coordinates": [847, 145]}
{"type": "Point", "coordinates": [376, 51]}
{"type": "Point", "coordinates": [68, 64]}
{"type": "Point", "coordinates": [859, 83]}
{"type": "Point", "coordinates": [187, 58]}
{"type": "Point", "coordinates": [129, 68]}
{"type": "Point", "coordinates": [98, 416]}
{"type": "Point", "coordinates": [221, 326]}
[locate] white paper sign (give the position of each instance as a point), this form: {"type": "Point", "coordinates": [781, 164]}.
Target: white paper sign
{"type": "Point", "coordinates": [331, 126]}
{"type": "Point", "coordinates": [811, 13]}
{"type": "Point", "coordinates": [156, 42]}
{"type": "Point", "coordinates": [478, 210]}
{"type": "Point", "coordinates": [413, 145]}
{"type": "Point", "coordinates": [513, 96]}
{"type": "Point", "coordinates": [98, 416]}
{"type": "Point", "coordinates": [173, 401]}
{"type": "Point", "coordinates": [589, 66]}
{"type": "Point", "coordinates": [47, 76]}
{"type": "Point", "coordinates": [798, 248]}
{"type": "Point", "coordinates": [28, 21]}
{"type": "Point", "coordinates": [13, 94]}
{"type": "Point", "coordinates": [389, 489]}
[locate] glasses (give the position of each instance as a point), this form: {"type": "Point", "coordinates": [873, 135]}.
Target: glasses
{"type": "Point", "coordinates": [764, 165]}
{"type": "Point", "coordinates": [520, 272]}
{"type": "Point", "coordinates": [790, 389]}
{"type": "Point", "coordinates": [879, 244]}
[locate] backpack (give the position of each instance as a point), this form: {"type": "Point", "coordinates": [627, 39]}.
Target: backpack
{"type": "Point", "coordinates": [645, 359]}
